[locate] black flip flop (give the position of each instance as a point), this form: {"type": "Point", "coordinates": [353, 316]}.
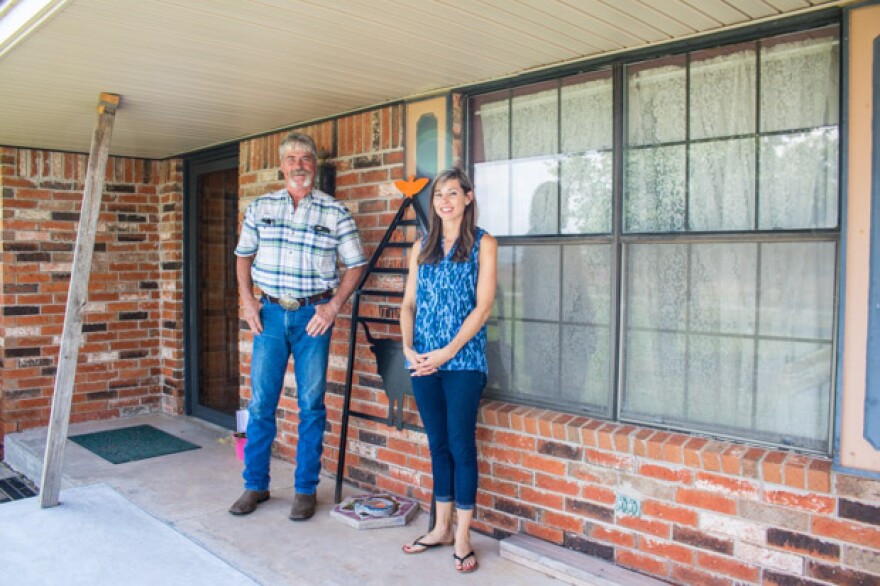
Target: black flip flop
{"type": "Point", "coordinates": [460, 566]}
{"type": "Point", "coordinates": [425, 546]}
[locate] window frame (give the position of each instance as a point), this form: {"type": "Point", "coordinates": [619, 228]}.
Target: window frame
{"type": "Point", "coordinates": [619, 240]}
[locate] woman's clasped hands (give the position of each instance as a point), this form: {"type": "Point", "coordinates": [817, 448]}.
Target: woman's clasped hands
{"type": "Point", "coordinates": [427, 363]}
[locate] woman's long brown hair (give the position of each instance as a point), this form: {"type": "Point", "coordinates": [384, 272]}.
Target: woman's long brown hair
{"type": "Point", "coordinates": [432, 252]}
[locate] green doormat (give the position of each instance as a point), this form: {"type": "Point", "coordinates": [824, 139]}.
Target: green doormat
{"type": "Point", "coordinates": [132, 443]}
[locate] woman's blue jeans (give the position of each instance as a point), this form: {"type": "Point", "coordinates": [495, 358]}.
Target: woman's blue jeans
{"type": "Point", "coordinates": [284, 333]}
{"type": "Point", "coordinates": [448, 402]}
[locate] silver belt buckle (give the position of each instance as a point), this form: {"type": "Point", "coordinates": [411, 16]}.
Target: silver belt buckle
{"type": "Point", "coordinates": [289, 302]}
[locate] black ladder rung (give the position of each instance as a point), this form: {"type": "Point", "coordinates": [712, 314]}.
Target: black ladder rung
{"type": "Point", "coordinates": [408, 223]}
{"type": "Point", "coordinates": [389, 271]}
{"type": "Point", "coordinates": [380, 419]}
{"type": "Point", "coordinates": [398, 244]}
{"type": "Point", "coordinates": [378, 320]}
{"type": "Point", "coordinates": [380, 293]}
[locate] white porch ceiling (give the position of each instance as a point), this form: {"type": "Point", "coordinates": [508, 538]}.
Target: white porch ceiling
{"type": "Point", "coordinates": [197, 73]}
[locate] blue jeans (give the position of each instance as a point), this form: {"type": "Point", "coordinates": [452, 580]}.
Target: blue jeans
{"type": "Point", "coordinates": [448, 401]}
{"type": "Point", "coordinates": [284, 333]}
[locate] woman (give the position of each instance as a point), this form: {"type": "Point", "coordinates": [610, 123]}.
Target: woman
{"type": "Point", "coordinates": [449, 294]}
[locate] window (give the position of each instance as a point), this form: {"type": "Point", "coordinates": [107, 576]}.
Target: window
{"type": "Point", "coordinates": [694, 286]}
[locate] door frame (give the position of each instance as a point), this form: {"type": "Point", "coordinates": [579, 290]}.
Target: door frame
{"type": "Point", "coordinates": [195, 165]}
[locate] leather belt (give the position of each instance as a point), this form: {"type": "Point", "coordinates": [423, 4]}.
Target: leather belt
{"type": "Point", "coordinates": [292, 303]}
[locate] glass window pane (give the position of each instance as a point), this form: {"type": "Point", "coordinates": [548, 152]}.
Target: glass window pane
{"type": "Point", "coordinates": [656, 101]}
{"type": "Point", "coordinates": [536, 282]}
{"type": "Point", "coordinates": [720, 382]}
{"type": "Point", "coordinates": [535, 120]}
{"type": "Point", "coordinates": [797, 289]}
{"type": "Point", "coordinates": [490, 123]}
{"type": "Point", "coordinates": [723, 288]}
{"type": "Point", "coordinates": [586, 365]}
{"type": "Point", "coordinates": [722, 98]}
{"type": "Point", "coordinates": [499, 354]}
{"type": "Point", "coordinates": [586, 284]}
{"type": "Point", "coordinates": [722, 185]}
{"type": "Point", "coordinates": [587, 116]}
{"type": "Point", "coordinates": [799, 80]}
{"type": "Point", "coordinates": [535, 196]}
{"type": "Point", "coordinates": [798, 185]}
{"type": "Point", "coordinates": [536, 358]}
{"type": "Point", "coordinates": [492, 191]}
{"type": "Point", "coordinates": [504, 294]}
{"type": "Point", "coordinates": [654, 375]}
{"type": "Point", "coordinates": [657, 281]}
{"type": "Point", "coordinates": [586, 184]}
{"type": "Point", "coordinates": [499, 330]}
{"type": "Point", "coordinates": [654, 189]}
{"type": "Point", "coordinates": [794, 392]}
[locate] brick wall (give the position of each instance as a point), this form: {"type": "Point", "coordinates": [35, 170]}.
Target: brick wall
{"type": "Point", "coordinates": [686, 509]}
{"type": "Point", "coordinates": [128, 352]}
{"type": "Point", "coordinates": [366, 150]}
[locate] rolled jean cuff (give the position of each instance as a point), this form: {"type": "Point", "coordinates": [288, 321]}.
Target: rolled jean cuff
{"type": "Point", "coordinates": [465, 507]}
{"type": "Point", "coordinates": [443, 499]}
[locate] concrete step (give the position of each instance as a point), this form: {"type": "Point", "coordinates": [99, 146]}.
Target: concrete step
{"type": "Point", "coordinates": [23, 452]}
{"type": "Point", "coordinates": [570, 566]}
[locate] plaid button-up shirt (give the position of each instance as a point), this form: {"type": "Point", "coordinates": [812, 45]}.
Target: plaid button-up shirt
{"type": "Point", "coordinates": [297, 249]}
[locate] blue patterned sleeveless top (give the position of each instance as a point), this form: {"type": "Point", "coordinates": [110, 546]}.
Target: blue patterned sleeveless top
{"type": "Point", "coordinates": [446, 294]}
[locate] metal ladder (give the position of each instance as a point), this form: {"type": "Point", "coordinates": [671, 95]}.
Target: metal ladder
{"type": "Point", "coordinates": [361, 292]}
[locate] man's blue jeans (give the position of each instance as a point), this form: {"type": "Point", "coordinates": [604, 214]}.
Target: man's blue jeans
{"type": "Point", "coordinates": [448, 401]}
{"type": "Point", "coordinates": [284, 333]}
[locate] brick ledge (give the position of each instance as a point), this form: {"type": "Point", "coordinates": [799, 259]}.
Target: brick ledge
{"type": "Point", "coordinates": [569, 566]}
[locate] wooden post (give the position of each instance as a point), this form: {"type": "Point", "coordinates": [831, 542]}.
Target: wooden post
{"type": "Point", "coordinates": [77, 296]}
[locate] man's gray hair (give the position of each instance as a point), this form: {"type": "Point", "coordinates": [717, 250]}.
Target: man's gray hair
{"type": "Point", "coordinates": [297, 141]}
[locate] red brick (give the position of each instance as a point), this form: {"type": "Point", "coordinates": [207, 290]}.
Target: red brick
{"type": "Point", "coordinates": [667, 550]}
{"type": "Point", "coordinates": [608, 460]}
{"type": "Point", "coordinates": [513, 473]}
{"type": "Point", "coordinates": [727, 485]}
{"type": "Point", "coordinates": [588, 432]}
{"type": "Point", "coordinates": [683, 475]}
{"type": "Point", "coordinates": [691, 451]}
{"type": "Point", "coordinates": [711, 455]}
{"type": "Point", "coordinates": [795, 471]}
{"type": "Point", "coordinates": [544, 499]}
{"type": "Point", "coordinates": [705, 500]}
{"type": "Point", "coordinates": [689, 576]}
{"type": "Point", "coordinates": [819, 476]}
{"type": "Point", "coordinates": [844, 531]}
{"type": "Point", "coordinates": [641, 563]}
{"type": "Point", "coordinates": [611, 535]}
{"type": "Point", "coordinates": [544, 464]}
{"type": "Point", "coordinates": [598, 494]}
{"type": "Point", "coordinates": [671, 513]}
{"type": "Point", "coordinates": [563, 521]}
{"type": "Point", "coordinates": [543, 532]}
{"type": "Point", "coordinates": [771, 467]}
{"type": "Point", "coordinates": [809, 502]}
{"type": "Point", "coordinates": [727, 566]}
{"type": "Point", "coordinates": [642, 525]}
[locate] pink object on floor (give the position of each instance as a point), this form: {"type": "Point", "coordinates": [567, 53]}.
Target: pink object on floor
{"type": "Point", "coordinates": [240, 441]}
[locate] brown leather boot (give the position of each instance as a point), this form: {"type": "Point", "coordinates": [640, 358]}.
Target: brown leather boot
{"type": "Point", "coordinates": [303, 507]}
{"type": "Point", "coordinates": [248, 501]}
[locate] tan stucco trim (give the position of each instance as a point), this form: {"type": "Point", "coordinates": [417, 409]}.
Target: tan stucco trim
{"type": "Point", "coordinates": [414, 111]}
{"type": "Point", "coordinates": [855, 451]}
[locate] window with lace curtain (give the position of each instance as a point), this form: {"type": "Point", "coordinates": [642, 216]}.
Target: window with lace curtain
{"type": "Point", "coordinates": [676, 265]}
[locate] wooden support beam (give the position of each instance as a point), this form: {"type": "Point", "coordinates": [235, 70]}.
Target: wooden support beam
{"type": "Point", "coordinates": [77, 296]}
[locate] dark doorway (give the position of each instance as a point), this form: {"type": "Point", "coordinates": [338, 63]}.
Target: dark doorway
{"type": "Point", "coordinates": [211, 331]}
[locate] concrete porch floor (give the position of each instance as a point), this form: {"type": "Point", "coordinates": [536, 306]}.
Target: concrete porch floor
{"type": "Point", "coordinates": [164, 520]}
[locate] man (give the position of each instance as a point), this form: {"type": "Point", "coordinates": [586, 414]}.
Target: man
{"type": "Point", "coordinates": [289, 244]}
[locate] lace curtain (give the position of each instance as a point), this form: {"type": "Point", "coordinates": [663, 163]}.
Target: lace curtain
{"type": "Point", "coordinates": [717, 334]}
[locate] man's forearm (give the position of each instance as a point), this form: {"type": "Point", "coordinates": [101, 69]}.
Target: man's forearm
{"type": "Point", "coordinates": [347, 284]}
{"type": "Point", "coordinates": [243, 276]}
